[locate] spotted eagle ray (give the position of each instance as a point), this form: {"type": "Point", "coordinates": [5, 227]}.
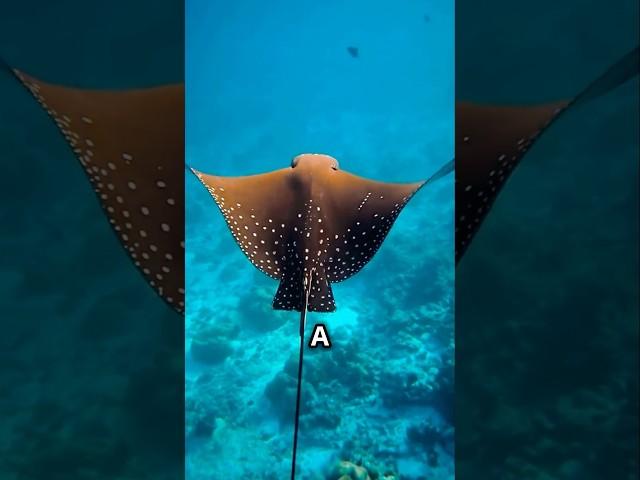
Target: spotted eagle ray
{"type": "Point", "coordinates": [491, 140]}
{"type": "Point", "coordinates": [307, 226]}
{"type": "Point", "coordinates": [131, 147]}
{"type": "Point", "coordinates": [309, 220]}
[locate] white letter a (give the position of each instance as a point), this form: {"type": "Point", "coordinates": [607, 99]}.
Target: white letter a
{"type": "Point", "coordinates": [320, 335]}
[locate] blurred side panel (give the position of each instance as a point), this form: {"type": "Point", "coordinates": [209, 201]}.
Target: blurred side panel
{"type": "Point", "coordinates": [547, 294]}
{"type": "Point", "coordinates": [91, 358]}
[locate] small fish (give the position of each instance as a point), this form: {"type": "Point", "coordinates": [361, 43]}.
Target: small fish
{"type": "Point", "coordinates": [353, 51]}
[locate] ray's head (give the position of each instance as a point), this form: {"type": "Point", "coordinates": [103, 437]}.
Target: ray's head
{"type": "Point", "coordinates": [315, 161]}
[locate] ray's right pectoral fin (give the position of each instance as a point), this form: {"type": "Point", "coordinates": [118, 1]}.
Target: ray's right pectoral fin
{"type": "Point", "coordinates": [363, 211]}
{"type": "Point", "coordinates": [490, 142]}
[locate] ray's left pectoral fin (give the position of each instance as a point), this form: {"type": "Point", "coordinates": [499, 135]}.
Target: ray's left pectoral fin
{"type": "Point", "coordinates": [131, 146]}
{"type": "Point", "coordinates": [257, 210]}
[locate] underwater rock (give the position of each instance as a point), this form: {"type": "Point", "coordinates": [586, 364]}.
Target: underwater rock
{"type": "Point", "coordinates": [425, 434]}
{"type": "Point", "coordinates": [352, 471]}
{"type": "Point", "coordinates": [204, 378]}
{"type": "Point", "coordinates": [225, 326]}
{"type": "Point", "coordinates": [281, 391]}
{"type": "Point", "coordinates": [211, 351]}
{"type": "Point", "coordinates": [427, 437]}
{"type": "Point", "coordinates": [399, 390]}
{"type": "Point", "coordinates": [322, 419]}
{"type": "Point", "coordinates": [204, 427]}
{"type": "Point", "coordinates": [256, 308]}
{"type": "Point", "coordinates": [346, 364]}
{"type": "Point", "coordinates": [357, 471]}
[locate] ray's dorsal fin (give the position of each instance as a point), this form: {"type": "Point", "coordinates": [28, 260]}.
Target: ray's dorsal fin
{"type": "Point", "coordinates": [131, 146]}
{"type": "Point", "coordinates": [310, 216]}
{"type": "Point", "coordinates": [491, 140]}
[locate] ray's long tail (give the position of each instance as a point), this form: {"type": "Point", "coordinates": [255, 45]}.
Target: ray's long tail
{"type": "Point", "coordinates": [303, 319]}
{"type": "Point", "coordinates": [5, 66]}
{"type": "Point", "coordinates": [443, 171]}
{"type": "Point", "coordinates": [619, 73]}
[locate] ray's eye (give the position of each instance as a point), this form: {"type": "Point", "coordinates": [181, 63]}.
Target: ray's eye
{"type": "Point", "coordinates": [335, 165]}
{"type": "Point", "coordinates": [294, 162]}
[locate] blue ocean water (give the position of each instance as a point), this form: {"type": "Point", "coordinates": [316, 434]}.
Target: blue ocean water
{"type": "Point", "coordinates": [263, 85]}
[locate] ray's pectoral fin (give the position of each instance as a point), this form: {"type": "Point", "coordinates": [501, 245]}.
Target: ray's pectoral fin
{"type": "Point", "coordinates": [131, 147]}
{"type": "Point", "coordinates": [359, 216]}
{"type": "Point", "coordinates": [257, 210]}
{"type": "Point", "coordinates": [491, 140]}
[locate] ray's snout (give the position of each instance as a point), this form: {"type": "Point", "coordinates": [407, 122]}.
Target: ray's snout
{"type": "Point", "coordinates": [315, 159]}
